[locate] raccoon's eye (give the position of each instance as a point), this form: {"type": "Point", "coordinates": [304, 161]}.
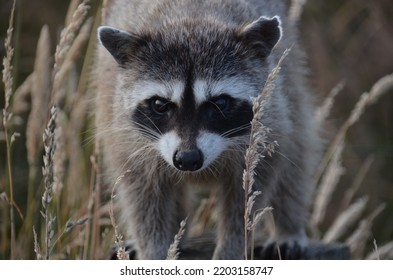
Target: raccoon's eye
{"type": "Point", "coordinates": [221, 103]}
{"type": "Point", "coordinates": [160, 106]}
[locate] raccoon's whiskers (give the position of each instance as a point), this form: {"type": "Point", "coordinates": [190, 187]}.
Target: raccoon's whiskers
{"type": "Point", "coordinates": [110, 128]}
{"type": "Point", "coordinates": [234, 164]}
{"type": "Point", "coordinates": [287, 158]}
{"type": "Point", "coordinates": [151, 121]}
{"type": "Point", "coordinates": [218, 108]}
{"type": "Point", "coordinates": [263, 161]}
{"type": "Point", "coordinates": [179, 175]}
{"type": "Point", "coordinates": [235, 130]}
{"type": "Point", "coordinates": [212, 169]}
{"type": "Point", "coordinates": [138, 157]}
{"type": "Point", "coordinates": [147, 131]}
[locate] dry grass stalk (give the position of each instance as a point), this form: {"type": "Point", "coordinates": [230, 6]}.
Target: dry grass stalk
{"type": "Point", "coordinates": [345, 221]}
{"type": "Point", "coordinates": [121, 250]}
{"type": "Point", "coordinates": [376, 251]}
{"type": "Point", "coordinates": [70, 59]}
{"type": "Point", "coordinates": [57, 167]}
{"type": "Point", "coordinates": [350, 193]}
{"type": "Point", "coordinates": [357, 241]}
{"type": "Point", "coordinates": [274, 232]}
{"type": "Point", "coordinates": [93, 208]}
{"type": "Point", "coordinates": [40, 90]}
{"type": "Point", "coordinates": [47, 172]}
{"type": "Point", "coordinates": [296, 9]}
{"type": "Point", "coordinates": [381, 87]}
{"type": "Point", "coordinates": [258, 216]}
{"type": "Point", "coordinates": [68, 34]}
{"type": "Point", "coordinates": [327, 187]}
{"type": "Point", "coordinates": [73, 124]}
{"type": "Point", "coordinates": [37, 248]}
{"type": "Point", "coordinates": [4, 229]}
{"type": "Point", "coordinates": [4, 197]}
{"type": "Point", "coordinates": [66, 39]}
{"type": "Point", "coordinates": [75, 165]}
{"type": "Point", "coordinates": [39, 97]}
{"type": "Point", "coordinates": [7, 65]}
{"type": "Point", "coordinates": [323, 111]}
{"type": "Point", "coordinates": [8, 84]}
{"type": "Point", "coordinates": [384, 252]}
{"type": "Point", "coordinates": [173, 252]}
{"type": "Point", "coordinates": [76, 99]}
{"type": "Point", "coordinates": [258, 141]}
{"type": "Point", "coordinates": [59, 158]}
{"type": "Point", "coordinates": [67, 52]}
{"type": "Point", "coordinates": [20, 102]}
{"type": "Point", "coordinates": [71, 10]}
{"type": "Point", "coordinates": [81, 100]}
{"type": "Point", "coordinates": [104, 7]}
{"type": "Point", "coordinates": [90, 205]}
{"type": "Point", "coordinates": [67, 228]}
{"type": "Point", "coordinates": [49, 147]}
{"type": "Point", "coordinates": [4, 203]}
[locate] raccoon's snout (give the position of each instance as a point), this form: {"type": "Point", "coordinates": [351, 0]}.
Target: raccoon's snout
{"type": "Point", "coordinates": [189, 160]}
{"type": "Point", "coordinates": [194, 155]}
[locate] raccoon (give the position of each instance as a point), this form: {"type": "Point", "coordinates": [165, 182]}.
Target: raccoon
{"type": "Point", "coordinates": [175, 81]}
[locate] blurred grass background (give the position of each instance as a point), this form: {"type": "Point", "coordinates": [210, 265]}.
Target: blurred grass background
{"type": "Point", "coordinates": [349, 41]}
{"type": "Point", "coordinates": [352, 41]}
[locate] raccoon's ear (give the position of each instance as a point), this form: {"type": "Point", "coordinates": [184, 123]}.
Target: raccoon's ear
{"type": "Point", "coordinates": [264, 33]}
{"type": "Point", "coordinates": [119, 43]}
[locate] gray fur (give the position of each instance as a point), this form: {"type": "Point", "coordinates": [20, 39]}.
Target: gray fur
{"type": "Point", "coordinates": [152, 197]}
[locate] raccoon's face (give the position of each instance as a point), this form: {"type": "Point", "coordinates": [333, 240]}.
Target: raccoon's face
{"type": "Point", "coordinates": [195, 120]}
{"type": "Point", "coordinates": [189, 86]}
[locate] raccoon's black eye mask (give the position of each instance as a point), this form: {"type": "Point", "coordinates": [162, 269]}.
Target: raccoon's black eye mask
{"type": "Point", "coordinates": [221, 114]}
{"type": "Point", "coordinates": [161, 106]}
{"type": "Point", "coordinates": [221, 103]}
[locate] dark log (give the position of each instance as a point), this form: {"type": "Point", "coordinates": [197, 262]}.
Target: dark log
{"type": "Point", "coordinates": [201, 248]}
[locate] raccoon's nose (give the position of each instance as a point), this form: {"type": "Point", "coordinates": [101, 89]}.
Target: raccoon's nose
{"type": "Point", "coordinates": [191, 160]}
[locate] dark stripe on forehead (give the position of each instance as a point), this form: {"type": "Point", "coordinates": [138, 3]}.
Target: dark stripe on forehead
{"type": "Point", "coordinates": [186, 123]}
{"type": "Point", "coordinates": [188, 100]}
